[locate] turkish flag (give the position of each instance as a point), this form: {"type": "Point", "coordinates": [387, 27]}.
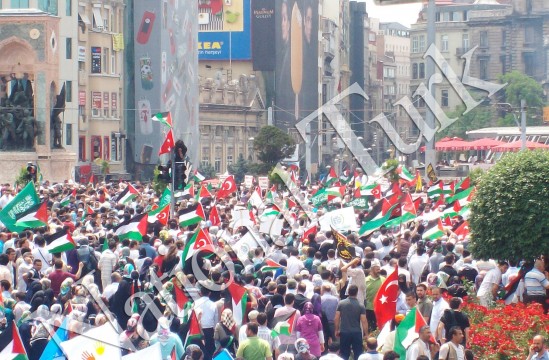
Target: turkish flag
{"type": "Point", "coordinates": [227, 188]}
{"type": "Point", "coordinates": [376, 192]}
{"type": "Point", "coordinates": [164, 215]}
{"type": "Point", "coordinates": [167, 145]}
{"type": "Point", "coordinates": [385, 300]}
{"type": "Point", "coordinates": [214, 216]}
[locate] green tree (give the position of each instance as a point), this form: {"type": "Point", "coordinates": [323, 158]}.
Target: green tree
{"type": "Point", "coordinates": [239, 169]}
{"type": "Point", "coordinates": [509, 211]}
{"type": "Point", "coordinates": [208, 171]}
{"type": "Point", "coordinates": [478, 118]}
{"type": "Point", "coordinates": [158, 184]}
{"type": "Point", "coordinates": [520, 86]}
{"type": "Point", "coordinates": [23, 178]}
{"type": "Point", "coordinates": [273, 145]}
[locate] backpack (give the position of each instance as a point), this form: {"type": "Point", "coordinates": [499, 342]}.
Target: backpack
{"type": "Point", "coordinates": [86, 256]}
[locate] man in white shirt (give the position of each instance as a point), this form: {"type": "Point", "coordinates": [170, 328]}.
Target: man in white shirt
{"type": "Point", "coordinates": [41, 253]}
{"type": "Point", "coordinates": [439, 305]}
{"type": "Point", "coordinates": [422, 345]}
{"type": "Point", "coordinates": [453, 348]}
{"type": "Point", "coordinates": [294, 265]}
{"type": "Point", "coordinates": [513, 270]}
{"type": "Point", "coordinates": [208, 317]}
{"type": "Point", "coordinates": [488, 290]}
{"type": "Point", "coordinates": [417, 264]}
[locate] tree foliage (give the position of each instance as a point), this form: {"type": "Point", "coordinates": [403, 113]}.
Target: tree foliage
{"type": "Point", "coordinates": [509, 213]}
{"type": "Point", "coordinates": [23, 178]}
{"type": "Point", "coordinates": [208, 171]}
{"type": "Point", "coordinates": [273, 145]}
{"type": "Point", "coordinates": [520, 86]}
{"type": "Point", "coordinates": [158, 184]}
{"type": "Point", "coordinates": [239, 169]}
{"type": "Point", "coordinates": [478, 118]}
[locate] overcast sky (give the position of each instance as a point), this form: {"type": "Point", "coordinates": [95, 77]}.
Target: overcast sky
{"type": "Point", "coordinates": [404, 14]}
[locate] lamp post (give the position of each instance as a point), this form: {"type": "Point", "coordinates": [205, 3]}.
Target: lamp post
{"type": "Point", "coordinates": [522, 125]}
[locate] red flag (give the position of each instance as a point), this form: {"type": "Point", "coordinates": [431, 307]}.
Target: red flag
{"type": "Point", "coordinates": [164, 215]}
{"type": "Point", "coordinates": [408, 204]}
{"type": "Point", "coordinates": [376, 192]}
{"type": "Point", "coordinates": [168, 144]}
{"type": "Point", "coordinates": [441, 201]}
{"type": "Point", "coordinates": [457, 206]}
{"type": "Point", "coordinates": [92, 179]}
{"type": "Point", "coordinates": [463, 229]}
{"type": "Point", "coordinates": [447, 221]}
{"type": "Point", "coordinates": [311, 230]}
{"type": "Point", "coordinates": [214, 216]}
{"type": "Point", "coordinates": [227, 188]}
{"type": "Point", "coordinates": [465, 184]}
{"type": "Point", "coordinates": [385, 299]}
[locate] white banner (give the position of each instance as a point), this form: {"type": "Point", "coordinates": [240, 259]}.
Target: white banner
{"type": "Point", "coordinates": [340, 219]}
{"type": "Point", "coordinates": [263, 182]}
{"type": "Point", "coordinates": [248, 181]}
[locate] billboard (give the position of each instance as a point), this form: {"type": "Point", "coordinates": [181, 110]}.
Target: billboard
{"type": "Point", "coordinates": [224, 30]}
{"type": "Point", "coordinates": [296, 72]}
{"type": "Point", "coordinates": [263, 35]}
{"type": "Point", "coordinates": [166, 68]}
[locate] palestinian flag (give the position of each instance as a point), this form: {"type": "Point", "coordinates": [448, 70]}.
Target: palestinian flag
{"type": "Point", "coordinates": [435, 232]}
{"type": "Point", "coordinates": [335, 192]}
{"type": "Point", "coordinates": [284, 325]}
{"type": "Point", "coordinates": [463, 197]}
{"type": "Point", "coordinates": [187, 193]}
{"type": "Point", "coordinates": [239, 298]}
{"type": "Point", "coordinates": [344, 248]}
{"type": "Point", "coordinates": [270, 265]}
{"type": "Point", "coordinates": [133, 229]}
{"type": "Point", "coordinates": [464, 184]}
{"type": "Point", "coordinates": [164, 117]}
{"type": "Point", "coordinates": [307, 181]}
{"type": "Point", "coordinates": [181, 299]}
{"type": "Point", "coordinates": [127, 195]}
{"type": "Point", "coordinates": [199, 242]}
{"type": "Point", "coordinates": [439, 189]}
{"type": "Point", "coordinates": [202, 194]}
{"type": "Point", "coordinates": [192, 215]}
{"type": "Point", "coordinates": [197, 177]}
{"type": "Point", "coordinates": [404, 174]}
{"type": "Point", "coordinates": [409, 212]}
{"type": "Point", "coordinates": [463, 229]}
{"type": "Point", "coordinates": [331, 178]}
{"type": "Point", "coordinates": [59, 242]}
{"type": "Point", "coordinates": [408, 330]}
{"type": "Point", "coordinates": [14, 350]}
{"type": "Point", "coordinates": [65, 201]}
{"type": "Point", "coordinates": [377, 222]}
{"type": "Point", "coordinates": [161, 214]}
{"type": "Point", "coordinates": [34, 217]}
{"type": "Point", "coordinates": [194, 329]}
{"type": "Point", "coordinates": [289, 204]}
{"type": "Point", "coordinates": [270, 196]}
{"type": "Point", "coordinates": [168, 144]}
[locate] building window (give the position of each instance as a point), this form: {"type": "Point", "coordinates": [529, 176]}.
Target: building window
{"type": "Point", "coordinates": [114, 105]}
{"type": "Point", "coordinates": [96, 60]}
{"type": "Point", "coordinates": [421, 43]}
{"type": "Point", "coordinates": [414, 71]}
{"type": "Point", "coordinates": [113, 64]}
{"type": "Point", "coordinates": [68, 7]}
{"type": "Point", "coordinates": [106, 104]}
{"type": "Point", "coordinates": [116, 150]}
{"type": "Point", "coordinates": [483, 69]}
{"type": "Point", "coordinates": [528, 59]}
{"type": "Point", "coordinates": [68, 134]}
{"type": "Point", "coordinates": [444, 98]}
{"type": "Point", "coordinates": [68, 48]}
{"type": "Point", "coordinates": [229, 160]}
{"type": "Point", "coordinates": [465, 42]}
{"type": "Point", "coordinates": [217, 164]}
{"type": "Point", "coordinates": [205, 160]}
{"type": "Point", "coordinates": [465, 15]}
{"type": "Point", "coordinates": [422, 71]}
{"type": "Point", "coordinates": [484, 39]}
{"type": "Point", "coordinates": [529, 34]}
{"type": "Point", "coordinates": [97, 19]}
{"type": "Point", "coordinates": [82, 148]}
{"type": "Point", "coordinates": [455, 16]}
{"type": "Point", "coordinates": [19, 4]}
{"type": "Point", "coordinates": [445, 16]}
{"type": "Point", "coordinates": [105, 59]}
{"type": "Point", "coordinates": [96, 103]}
{"type": "Point", "coordinates": [68, 91]}
{"type": "Point", "coordinates": [444, 42]}
{"type": "Point", "coordinates": [415, 44]}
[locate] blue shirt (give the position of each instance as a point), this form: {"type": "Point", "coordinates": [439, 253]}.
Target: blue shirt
{"type": "Point", "coordinates": [544, 356]}
{"type": "Point", "coordinates": [535, 282]}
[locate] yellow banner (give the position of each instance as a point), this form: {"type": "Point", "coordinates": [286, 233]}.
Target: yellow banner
{"type": "Point", "coordinates": [118, 42]}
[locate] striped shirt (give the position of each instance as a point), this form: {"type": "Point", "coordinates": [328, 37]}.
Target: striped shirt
{"type": "Point", "coordinates": [535, 282]}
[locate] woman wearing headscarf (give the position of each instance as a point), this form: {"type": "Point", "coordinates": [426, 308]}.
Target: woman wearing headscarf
{"type": "Point", "coordinates": [122, 294]}
{"type": "Point", "coordinates": [170, 261]}
{"type": "Point", "coordinates": [309, 327]}
{"type": "Point", "coordinates": [224, 332]}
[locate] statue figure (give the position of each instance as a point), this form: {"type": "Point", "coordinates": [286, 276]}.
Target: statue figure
{"type": "Point", "coordinates": [55, 121]}
{"type": "Point", "coordinates": [7, 123]}
{"type": "Point", "coordinates": [27, 130]}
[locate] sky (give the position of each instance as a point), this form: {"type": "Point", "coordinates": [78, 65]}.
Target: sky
{"type": "Point", "coordinates": [404, 14]}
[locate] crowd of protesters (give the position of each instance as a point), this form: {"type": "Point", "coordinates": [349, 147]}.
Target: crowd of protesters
{"type": "Point", "coordinates": [332, 299]}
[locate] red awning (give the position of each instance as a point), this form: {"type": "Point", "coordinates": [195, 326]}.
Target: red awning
{"type": "Point", "coordinates": [517, 145]}
{"type": "Point", "coordinates": [483, 144]}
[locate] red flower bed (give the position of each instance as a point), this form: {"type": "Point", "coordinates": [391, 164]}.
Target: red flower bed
{"type": "Point", "coordinates": [504, 332]}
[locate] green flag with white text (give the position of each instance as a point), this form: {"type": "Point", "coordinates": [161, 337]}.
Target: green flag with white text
{"type": "Point", "coordinates": [23, 201]}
